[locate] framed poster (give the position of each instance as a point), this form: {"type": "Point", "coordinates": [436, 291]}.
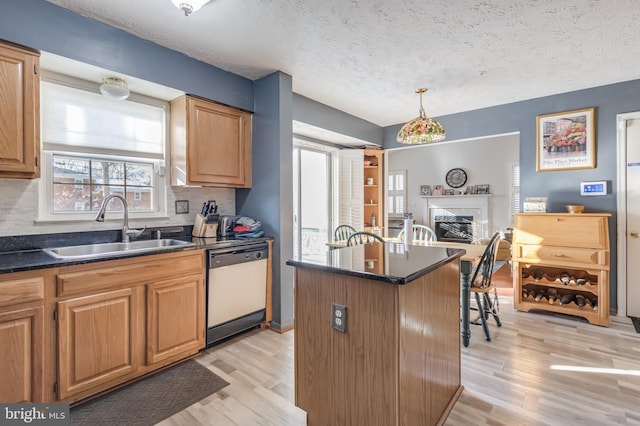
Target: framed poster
{"type": "Point", "coordinates": [566, 141]}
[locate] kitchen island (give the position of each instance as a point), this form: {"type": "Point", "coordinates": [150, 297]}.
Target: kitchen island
{"type": "Point", "coordinates": [392, 355]}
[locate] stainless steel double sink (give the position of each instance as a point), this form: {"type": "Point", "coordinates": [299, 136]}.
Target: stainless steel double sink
{"type": "Point", "coordinates": [95, 251]}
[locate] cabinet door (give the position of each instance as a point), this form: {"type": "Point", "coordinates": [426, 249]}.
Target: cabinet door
{"type": "Point", "coordinates": [19, 112]}
{"type": "Point", "coordinates": [22, 357]}
{"type": "Point", "coordinates": [175, 317]}
{"type": "Point", "coordinates": [97, 339]}
{"type": "Point", "coordinates": [218, 144]}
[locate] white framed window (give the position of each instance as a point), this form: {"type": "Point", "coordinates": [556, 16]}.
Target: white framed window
{"type": "Point", "coordinates": [94, 146]}
{"type": "Point", "coordinates": [515, 189]}
{"type": "Point", "coordinates": [397, 192]}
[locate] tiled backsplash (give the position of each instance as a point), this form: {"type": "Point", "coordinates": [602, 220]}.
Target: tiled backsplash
{"type": "Point", "coordinates": [19, 210]}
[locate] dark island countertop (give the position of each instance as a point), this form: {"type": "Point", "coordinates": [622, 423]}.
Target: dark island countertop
{"type": "Point", "coordinates": [400, 263]}
{"type": "Point", "coordinates": [36, 258]}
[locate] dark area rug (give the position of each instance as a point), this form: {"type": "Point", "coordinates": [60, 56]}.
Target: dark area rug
{"type": "Point", "coordinates": [151, 399]}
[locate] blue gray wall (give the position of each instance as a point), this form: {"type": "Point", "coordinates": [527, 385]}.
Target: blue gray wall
{"type": "Point", "coordinates": [311, 112]}
{"type": "Point", "coordinates": [44, 26]}
{"type": "Point", "coordinates": [270, 198]}
{"type": "Point", "coordinates": [561, 187]}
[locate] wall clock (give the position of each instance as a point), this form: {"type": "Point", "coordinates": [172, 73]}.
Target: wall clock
{"type": "Point", "coordinates": [456, 178]}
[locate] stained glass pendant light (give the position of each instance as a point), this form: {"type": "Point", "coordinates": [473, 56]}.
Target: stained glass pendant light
{"type": "Point", "coordinates": [422, 129]}
{"type": "Point", "coordinates": [188, 6]}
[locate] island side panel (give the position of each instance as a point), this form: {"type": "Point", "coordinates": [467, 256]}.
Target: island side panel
{"type": "Point", "coordinates": [430, 378]}
{"type": "Point", "coordinates": [346, 378]}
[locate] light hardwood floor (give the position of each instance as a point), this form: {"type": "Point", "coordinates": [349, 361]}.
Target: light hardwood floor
{"type": "Point", "coordinates": [508, 381]}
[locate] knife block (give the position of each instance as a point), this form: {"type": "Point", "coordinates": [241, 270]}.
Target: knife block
{"type": "Point", "coordinates": [203, 229]}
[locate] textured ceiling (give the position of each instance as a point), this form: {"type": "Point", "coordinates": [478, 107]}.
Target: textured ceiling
{"type": "Point", "coordinates": [367, 57]}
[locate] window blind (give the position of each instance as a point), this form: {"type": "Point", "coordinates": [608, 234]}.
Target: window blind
{"type": "Point", "coordinates": [78, 120]}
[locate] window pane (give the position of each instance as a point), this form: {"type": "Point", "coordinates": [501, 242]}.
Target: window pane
{"type": "Point", "coordinates": [139, 174]}
{"type": "Point", "coordinates": [139, 198]}
{"type": "Point", "coordinates": [112, 172]}
{"type": "Point", "coordinates": [70, 197]}
{"type": "Point", "coordinates": [69, 169]}
{"type": "Point", "coordinates": [400, 182]}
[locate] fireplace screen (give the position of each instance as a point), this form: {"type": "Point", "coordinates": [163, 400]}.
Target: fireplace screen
{"type": "Point", "coordinates": [457, 229]}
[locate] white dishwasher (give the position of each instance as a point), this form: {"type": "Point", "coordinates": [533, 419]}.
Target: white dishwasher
{"type": "Point", "coordinates": [236, 290]}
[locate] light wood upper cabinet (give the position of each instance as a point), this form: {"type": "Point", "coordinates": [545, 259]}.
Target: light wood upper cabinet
{"type": "Point", "coordinates": [21, 337]}
{"type": "Point", "coordinates": [210, 144]}
{"type": "Point", "coordinates": [19, 112]}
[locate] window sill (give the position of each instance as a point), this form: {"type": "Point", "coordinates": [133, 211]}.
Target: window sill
{"type": "Point", "coordinates": [71, 220]}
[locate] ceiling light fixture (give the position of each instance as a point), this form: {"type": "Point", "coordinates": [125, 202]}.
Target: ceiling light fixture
{"type": "Point", "coordinates": [422, 129]}
{"type": "Point", "coordinates": [188, 6]}
{"type": "Point", "coordinates": [114, 88]}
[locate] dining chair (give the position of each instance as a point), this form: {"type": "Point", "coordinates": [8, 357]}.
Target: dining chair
{"type": "Point", "coordinates": [483, 289]}
{"type": "Point", "coordinates": [363, 237]}
{"type": "Point", "coordinates": [342, 232]}
{"type": "Point", "coordinates": [420, 233]}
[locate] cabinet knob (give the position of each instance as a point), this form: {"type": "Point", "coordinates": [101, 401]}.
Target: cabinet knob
{"type": "Point", "coordinates": [633, 234]}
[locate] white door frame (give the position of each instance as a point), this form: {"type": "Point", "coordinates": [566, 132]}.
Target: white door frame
{"type": "Point", "coordinates": [622, 209]}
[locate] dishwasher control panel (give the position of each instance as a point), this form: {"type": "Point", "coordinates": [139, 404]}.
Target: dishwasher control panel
{"type": "Point", "coordinates": [218, 259]}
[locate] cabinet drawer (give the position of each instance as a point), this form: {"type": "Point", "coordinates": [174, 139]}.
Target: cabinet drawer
{"type": "Point", "coordinates": [575, 230]}
{"type": "Point", "coordinates": [115, 273]}
{"type": "Point", "coordinates": [21, 290]}
{"type": "Point", "coordinates": [568, 256]}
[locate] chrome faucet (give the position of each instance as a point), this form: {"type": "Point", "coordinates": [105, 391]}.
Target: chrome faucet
{"type": "Point", "coordinates": [125, 226]}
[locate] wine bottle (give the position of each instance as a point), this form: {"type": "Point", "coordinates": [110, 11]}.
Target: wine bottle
{"type": "Point", "coordinates": [537, 274]}
{"type": "Point", "coordinates": [566, 299]}
{"type": "Point", "coordinates": [525, 293]}
{"type": "Point", "coordinates": [579, 299]}
{"type": "Point", "coordinates": [565, 278]}
{"type": "Point", "coordinates": [593, 301]}
{"type": "Point", "coordinates": [583, 279]}
{"type": "Point", "coordinates": [539, 295]}
{"type": "Point", "coordinates": [552, 295]}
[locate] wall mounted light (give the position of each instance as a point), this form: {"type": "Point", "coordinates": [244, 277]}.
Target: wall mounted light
{"type": "Point", "coordinates": [188, 6]}
{"type": "Point", "coordinates": [114, 88]}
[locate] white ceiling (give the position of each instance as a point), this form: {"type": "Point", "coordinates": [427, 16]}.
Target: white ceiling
{"type": "Point", "coordinates": [367, 57]}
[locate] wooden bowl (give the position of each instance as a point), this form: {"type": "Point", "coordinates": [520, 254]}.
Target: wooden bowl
{"type": "Point", "coordinates": [575, 208]}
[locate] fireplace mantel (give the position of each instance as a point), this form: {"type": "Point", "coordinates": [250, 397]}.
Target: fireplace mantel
{"type": "Point", "coordinates": [459, 205]}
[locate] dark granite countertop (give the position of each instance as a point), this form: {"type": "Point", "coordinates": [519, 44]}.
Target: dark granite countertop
{"type": "Point", "coordinates": [26, 253]}
{"type": "Point", "coordinates": [399, 264]}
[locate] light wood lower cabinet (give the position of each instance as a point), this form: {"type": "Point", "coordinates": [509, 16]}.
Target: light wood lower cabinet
{"type": "Point", "coordinates": [175, 317]}
{"type": "Point", "coordinates": [120, 319]}
{"type": "Point", "coordinates": [21, 337]}
{"type": "Point", "coordinates": [97, 339]}
{"type": "Point", "coordinates": [21, 356]}
{"type": "Point", "coordinates": [561, 264]}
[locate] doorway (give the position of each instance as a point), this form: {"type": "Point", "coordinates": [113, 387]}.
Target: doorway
{"type": "Point", "coordinates": [311, 201]}
{"type": "Point", "coordinates": [629, 216]}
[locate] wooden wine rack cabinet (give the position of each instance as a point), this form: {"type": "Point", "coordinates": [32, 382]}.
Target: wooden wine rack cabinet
{"type": "Point", "coordinates": [550, 246]}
